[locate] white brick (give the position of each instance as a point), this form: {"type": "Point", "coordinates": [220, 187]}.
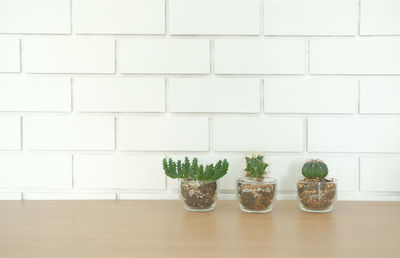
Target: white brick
{"type": "Point", "coordinates": [10, 133]}
{"type": "Point", "coordinates": [35, 94]}
{"type": "Point", "coordinates": [244, 56]}
{"type": "Point", "coordinates": [380, 95]}
{"type": "Point", "coordinates": [119, 17]}
{"type": "Point", "coordinates": [258, 134]}
{"type": "Point", "coordinates": [69, 196]}
{"type": "Point", "coordinates": [67, 55]}
{"type": "Point", "coordinates": [380, 174]}
{"type": "Point", "coordinates": [380, 17]}
{"type": "Point", "coordinates": [9, 53]}
{"type": "Point", "coordinates": [35, 171]}
{"type": "Point", "coordinates": [118, 172]}
{"type": "Point", "coordinates": [68, 132]}
{"type": "Point", "coordinates": [349, 56]}
{"type": "Point", "coordinates": [310, 17]}
{"type": "Point", "coordinates": [10, 196]}
{"type": "Point", "coordinates": [166, 56]}
{"type": "Point", "coordinates": [119, 95]}
{"type": "Point", "coordinates": [377, 134]}
{"type": "Point", "coordinates": [214, 17]}
{"type": "Point", "coordinates": [39, 16]}
{"type": "Point", "coordinates": [310, 95]}
{"type": "Point", "coordinates": [214, 95]}
{"type": "Point", "coordinates": [160, 133]}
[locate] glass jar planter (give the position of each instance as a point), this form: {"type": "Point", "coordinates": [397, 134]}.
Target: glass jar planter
{"type": "Point", "coordinates": [256, 195]}
{"type": "Point", "coordinates": [316, 195]}
{"type": "Point", "coordinates": [198, 195]}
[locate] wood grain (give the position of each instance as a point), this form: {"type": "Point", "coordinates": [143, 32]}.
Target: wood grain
{"type": "Point", "coordinates": [163, 229]}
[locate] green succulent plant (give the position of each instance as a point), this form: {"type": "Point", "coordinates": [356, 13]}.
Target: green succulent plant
{"type": "Point", "coordinates": [315, 169]}
{"type": "Point", "coordinates": [194, 171]}
{"type": "Point", "coordinates": [256, 167]}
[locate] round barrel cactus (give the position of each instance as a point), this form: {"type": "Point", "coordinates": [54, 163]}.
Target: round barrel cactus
{"type": "Point", "coordinates": [315, 169]}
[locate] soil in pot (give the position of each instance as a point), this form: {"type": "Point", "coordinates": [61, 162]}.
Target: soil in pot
{"type": "Point", "coordinates": [198, 195]}
{"type": "Point", "coordinates": [256, 197]}
{"type": "Point", "coordinates": [316, 194]}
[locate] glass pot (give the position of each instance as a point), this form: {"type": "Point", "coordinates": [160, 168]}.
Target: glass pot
{"type": "Point", "coordinates": [198, 195]}
{"type": "Point", "coordinates": [316, 195]}
{"type": "Point", "coordinates": [256, 195]}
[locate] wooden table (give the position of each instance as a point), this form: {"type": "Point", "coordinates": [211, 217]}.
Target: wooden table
{"type": "Point", "coordinates": [163, 229]}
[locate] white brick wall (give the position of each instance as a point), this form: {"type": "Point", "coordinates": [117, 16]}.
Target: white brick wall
{"type": "Point", "coordinates": [248, 56]}
{"type": "Point", "coordinates": [10, 132]}
{"type": "Point", "coordinates": [67, 55]}
{"type": "Point", "coordinates": [310, 17]}
{"type": "Point", "coordinates": [164, 56]}
{"type": "Point", "coordinates": [349, 56]}
{"type": "Point", "coordinates": [39, 16]}
{"type": "Point", "coordinates": [310, 95]}
{"type": "Point", "coordinates": [35, 171]}
{"type": "Point", "coordinates": [119, 17]}
{"type": "Point", "coordinates": [94, 93]}
{"type": "Point", "coordinates": [35, 94]}
{"type": "Point", "coordinates": [258, 134]}
{"type": "Point", "coordinates": [380, 17]}
{"type": "Point", "coordinates": [214, 95]}
{"type": "Point", "coordinates": [162, 134]}
{"type": "Point", "coordinates": [55, 132]}
{"type": "Point", "coordinates": [10, 55]}
{"type": "Point", "coordinates": [118, 171]}
{"type": "Point", "coordinates": [239, 17]}
{"type": "Point", "coordinates": [119, 95]}
{"type": "Point", "coordinates": [380, 95]}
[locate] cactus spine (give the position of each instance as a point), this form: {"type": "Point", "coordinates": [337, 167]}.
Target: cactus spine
{"type": "Point", "coordinates": [315, 169]}
{"type": "Point", "coordinates": [255, 166]}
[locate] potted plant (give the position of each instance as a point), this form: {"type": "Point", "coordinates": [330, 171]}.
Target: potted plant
{"type": "Point", "coordinates": [316, 192]}
{"type": "Point", "coordinates": [198, 185]}
{"type": "Point", "coordinates": [256, 190]}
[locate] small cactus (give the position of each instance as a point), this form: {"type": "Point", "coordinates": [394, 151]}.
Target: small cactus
{"type": "Point", "coordinates": [315, 169]}
{"type": "Point", "coordinates": [255, 166]}
{"type": "Point", "coordinates": [194, 171]}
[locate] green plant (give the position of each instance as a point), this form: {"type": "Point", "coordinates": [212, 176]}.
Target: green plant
{"type": "Point", "coordinates": [315, 168]}
{"type": "Point", "coordinates": [193, 171]}
{"type": "Point", "coordinates": [256, 167]}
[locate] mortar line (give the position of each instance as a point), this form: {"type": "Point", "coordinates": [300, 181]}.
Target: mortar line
{"type": "Point", "coordinates": [166, 83]}
{"type": "Point", "coordinates": [115, 133]}
{"type": "Point", "coordinates": [21, 127]}
{"type": "Point", "coordinates": [306, 134]}
{"type": "Point", "coordinates": [359, 19]}
{"type": "Point", "coordinates": [262, 19]}
{"type": "Point", "coordinates": [70, 18]}
{"type": "Point", "coordinates": [20, 56]}
{"type": "Point", "coordinates": [72, 171]}
{"type": "Point", "coordinates": [72, 94]}
{"type": "Point", "coordinates": [212, 58]}
{"type": "Point", "coordinates": [262, 96]}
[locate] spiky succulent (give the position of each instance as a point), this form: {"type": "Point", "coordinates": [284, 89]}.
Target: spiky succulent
{"type": "Point", "coordinates": [315, 169]}
{"type": "Point", "coordinates": [256, 167]}
{"type": "Point", "coordinates": [194, 171]}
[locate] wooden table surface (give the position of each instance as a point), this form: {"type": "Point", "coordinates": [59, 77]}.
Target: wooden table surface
{"type": "Point", "coordinates": [163, 229]}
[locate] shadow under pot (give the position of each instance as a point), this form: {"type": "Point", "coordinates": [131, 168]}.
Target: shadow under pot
{"type": "Point", "coordinates": [256, 195]}
{"type": "Point", "coordinates": [198, 195]}
{"type": "Point", "coordinates": [316, 195]}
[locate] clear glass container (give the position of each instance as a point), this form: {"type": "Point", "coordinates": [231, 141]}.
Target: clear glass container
{"type": "Point", "coordinates": [256, 195]}
{"type": "Point", "coordinates": [198, 195]}
{"type": "Point", "coordinates": [316, 195]}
